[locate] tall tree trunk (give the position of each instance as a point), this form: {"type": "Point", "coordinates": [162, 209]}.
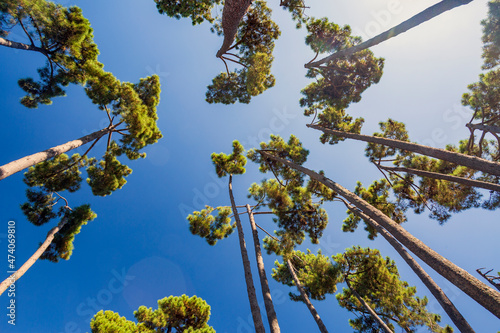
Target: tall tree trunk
{"type": "Point", "coordinates": [20, 272]}
{"type": "Point", "coordinates": [435, 290]}
{"type": "Point", "coordinates": [306, 299]}
{"type": "Point", "coordinates": [20, 46]}
{"type": "Point", "coordinates": [232, 14]}
{"type": "Point", "coordinates": [368, 307]}
{"type": "Point", "coordinates": [472, 162]}
{"type": "Point", "coordinates": [421, 17]}
{"type": "Point", "coordinates": [30, 160]}
{"type": "Point", "coordinates": [481, 293]}
{"type": "Point", "coordinates": [266, 292]}
{"type": "Point", "coordinates": [252, 297]}
{"type": "Point", "coordinates": [436, 175]}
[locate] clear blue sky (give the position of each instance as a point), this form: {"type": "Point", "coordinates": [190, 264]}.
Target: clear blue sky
{"type": "Point", "coordinates": [139, 248]}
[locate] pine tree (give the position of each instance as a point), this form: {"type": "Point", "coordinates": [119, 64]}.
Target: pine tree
{"type": "Point", "coordinates": [61, 34]}
{"type": "Point", "coordinates": [438, 185]}
{"type": "Point", "coordinates": [483, 96]}
{"type": "Point", "coordinates": [135, 107]}
{"type": "Point", "coordinates": [435, 290]}
{"type": "Point", "coordinates": [472, 162]}
{"type": "Point", "coordinates": [198, 11]}
{"type": "Point", "coordinates": [175, 314]}
{"type": "Point", "coordinates": [484, 295]}
{"type": "Point", "coordinates": [255, 35]}
{"type": "Point", "coordinates": [294, 205]}
{"type": "Point", "coordinates": [59, 241]}
{"type": "Point", "coordinates": [375, 290]}
{"type": "Point", "coordinates": [339, 82]}
{"type": "Point", "coordinates": [215, 228]}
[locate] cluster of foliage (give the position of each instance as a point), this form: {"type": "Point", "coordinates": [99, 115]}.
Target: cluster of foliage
{"type": "Point", "coordinates": [441, 197]}
{"type": "Point", "coordinates": [175, 314]}
{"type": "Point", "coordinates": [62, 35]}
{"type": "Point", "coordinates": [374, 278]}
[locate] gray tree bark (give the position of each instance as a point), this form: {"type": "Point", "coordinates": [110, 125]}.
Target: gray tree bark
{"type": "Point", "coordinates": [472, 162]}
{"type": "Point", "coordinates": [20, 46]}
{"type": "Point", "coordinates": [252, 297]}
{"type": "Point", "coordinates": [266, 292]}
{"type": "Point", "coordinates": [30, 160]}
{"type": "Point", "coordinates": [436, 175]}
{"type": "Point", "coordinates": [31, 261]}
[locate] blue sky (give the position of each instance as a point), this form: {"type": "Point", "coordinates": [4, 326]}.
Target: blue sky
{"type": "Point", "coordinates": [139, 248]}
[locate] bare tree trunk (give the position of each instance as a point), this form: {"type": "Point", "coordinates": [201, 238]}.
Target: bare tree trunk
{"type": "Point", "coordinates": [20, 46]}
{"type": "Point", "coordinates": [252, 297]}
{"type": "Point", "coordinates": [30, 160]}
{"type": "Point", "coordinates": [20, 272]}
{"type": "Point", "coordinates": [433, 287]}
{"type": "Point", "coordinates": [266, 292]}
{"type": "Point", "coordinates": [232, 14]}
{"type": "Point", "coordinates": [472, 162]}
{"type": "Point", "coordinates": [421, 17]}
{"type": "Point", "coordinates": [436, 175]}
{"type": "Point", "coordinates": [481, 293]}
{"type": "Point", "coordinates": [306, 299]}
{"type": "Point", "coordinates": [368, 308]}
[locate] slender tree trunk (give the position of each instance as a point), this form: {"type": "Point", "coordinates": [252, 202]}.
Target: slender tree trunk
{"type": "Point", "coordinates": [232, 14]}
{"type": "Point", "coordinates": [30, 160]}
{"type": "Point", "coordinates": [472, 162]}
{"type": "Point", "coordinates": [436, 175]}
{"type": "Point", "coordinates": [306, 299]}
{"type": "Point", "coordinates": [433, 287]}
{"type": "Point", "coordinates": [252, 297]}
{"type": "Point", "coordinates": [20, 272]}
{"type": "Point", "coordinates": [368, 307]}
{"type": "Point", "coordinates": [266, 292]}
{"type": "Point", "coordinates": [481, 293]}
{"type": "Point", "coordinates": [421, 17]}
{"type": "Point", "coordinates": [20, 46]}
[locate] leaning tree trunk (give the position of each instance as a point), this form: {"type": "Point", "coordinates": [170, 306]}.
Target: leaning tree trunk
{"type": "Point", "coordinates": [421, 17]}
{"type": "Point", "coordinates": [232, 14]}
{"type": "Point", "coordinates": [266, 292]}
{"type": "Point", "coordinates": [20, 272]}
{"type": "Point", "coordinates": [368, 308]}
{"type": "Point", "coordinates": [481, 293]}
{"type": "Point", "coordinates": [306, 299]}
{"type": "Point", "coordinates": [252, 297]}
{"type": "Point", "coordinates": [436, 175]}
{"type": "Point", "coordinates": [30, 160]}
{"type": "Point", "coordinates": [472, 162]}
{"type": "Point", "coordinates": [20, 46]}
{"type": "Point", "coordinates": [433, 287]}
